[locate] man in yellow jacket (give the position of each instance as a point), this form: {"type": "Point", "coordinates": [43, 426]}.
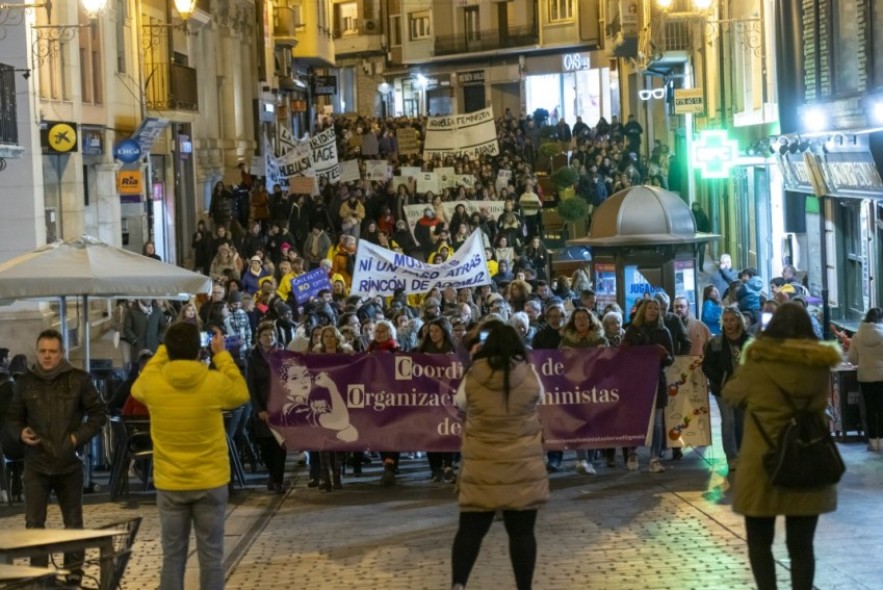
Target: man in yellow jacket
{"type": "Point", "coordinates": [191, 468]}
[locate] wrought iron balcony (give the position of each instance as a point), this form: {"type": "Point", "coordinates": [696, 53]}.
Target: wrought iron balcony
{"type": "Point", "coordinates": [489, 40]}
{"type": "Point", "coordinates": [173, 87]}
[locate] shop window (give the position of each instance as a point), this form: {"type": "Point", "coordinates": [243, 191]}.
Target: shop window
{"type": "Point", "coordinates": [560, 10]}
{"type": "Point", "coordinates": [395, 31]}
{"type": "Point", "coordinates": [853, 261]}
{"type": "Point", "coordinates": [846, 38]}
{"type": "Point", "coordinates": [470, 15]}
{"type": "Point", "coordinates": [348, 24]}
{"type": "Point", "coordinates": [418, 25]}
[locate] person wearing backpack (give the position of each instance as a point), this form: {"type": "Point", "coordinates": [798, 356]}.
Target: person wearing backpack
{"type": "Point", "coordinates": [785, 368]}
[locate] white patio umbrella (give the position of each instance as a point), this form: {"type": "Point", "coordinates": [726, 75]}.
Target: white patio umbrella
{"type": "Point", "coordinates": [87, 267]}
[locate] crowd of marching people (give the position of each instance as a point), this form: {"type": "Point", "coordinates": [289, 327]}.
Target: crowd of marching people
{"type": "Point", "coordinates": [254, 243]}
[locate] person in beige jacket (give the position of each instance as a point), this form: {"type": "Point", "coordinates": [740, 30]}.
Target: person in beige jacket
{"type": "Point", "coordinates": [503, 465]}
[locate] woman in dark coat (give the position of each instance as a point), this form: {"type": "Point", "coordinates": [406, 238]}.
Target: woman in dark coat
{"type": "Point", "coordinates": [786, 359]}
{"type": "Point", "coordinates": [202, 244]}
{"type": "Point", "coordinates": [648, 329]}
{"type": "Point", "coordinates": [258, 377]}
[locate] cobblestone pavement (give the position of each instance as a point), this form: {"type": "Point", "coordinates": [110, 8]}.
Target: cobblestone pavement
{"type": "Point", "coordinates": [616, 530]}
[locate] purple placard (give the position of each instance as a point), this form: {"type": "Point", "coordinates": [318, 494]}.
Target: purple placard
{"type": "Point", "coordinates": [309, 284]}
{"type": "Point", "coordinates": [595, 398]}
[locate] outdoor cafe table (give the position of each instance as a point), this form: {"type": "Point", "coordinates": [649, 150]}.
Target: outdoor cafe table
{"type": "Point", "coordinates": [20, 573]}
{"type": "Point", "coordinates": [17, 543]}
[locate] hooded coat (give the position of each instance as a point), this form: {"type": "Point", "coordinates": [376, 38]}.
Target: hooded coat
{"type": "Point", "coordinates": [866, 352]}
{"type": "Point", "coordinates": [771, 369]}
{"type": "Point", "coordinates": [503, 464]}
{"type": "Point", "coordinates": [185, 400]}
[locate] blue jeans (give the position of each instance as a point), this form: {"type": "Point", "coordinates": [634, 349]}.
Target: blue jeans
{"type": "Point", "coordinates": [206, 510]}
{"type": "Point", "coordinates": [732, 420]}
{"type": "Point", "coordinates": [657, 441]}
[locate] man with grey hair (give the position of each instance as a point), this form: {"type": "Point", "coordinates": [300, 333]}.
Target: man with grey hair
{"type": "Point", "coordinates": [673, 323]}
{"type": "Point", "coordinates": [534, 310]}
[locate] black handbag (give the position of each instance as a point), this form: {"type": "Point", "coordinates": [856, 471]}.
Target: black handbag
{"type": "Point", "coordinates": [806, 455]}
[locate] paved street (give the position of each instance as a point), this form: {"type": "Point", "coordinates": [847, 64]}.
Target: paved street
{"type": "Point", "coordinates": [616, 530]}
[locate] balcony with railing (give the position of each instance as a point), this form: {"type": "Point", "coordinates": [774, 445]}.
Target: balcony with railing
{"type": "Point", "coordinates": [487, 40]}
{"type": "Point", "coordinates": [172, 87]}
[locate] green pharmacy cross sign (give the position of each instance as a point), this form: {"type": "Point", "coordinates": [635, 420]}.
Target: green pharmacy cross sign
{"type": "Point", "coordinates": [715, 153]}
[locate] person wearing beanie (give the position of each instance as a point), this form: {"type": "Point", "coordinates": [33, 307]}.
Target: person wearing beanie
{"type": "Point", "coordinates": [253, 274]}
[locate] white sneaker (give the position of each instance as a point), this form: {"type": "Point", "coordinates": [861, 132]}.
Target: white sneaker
{"type": "Point", "coordinates": [585, 468]}
{"type": "Point", "coordinates": [656, 466]}
{"type": "Point", "coordinates": [632, 463]}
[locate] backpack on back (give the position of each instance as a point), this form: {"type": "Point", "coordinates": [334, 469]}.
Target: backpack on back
{"type": "Point", "coordinates": [806, 455]}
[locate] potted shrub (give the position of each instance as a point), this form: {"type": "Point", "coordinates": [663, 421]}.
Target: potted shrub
{"type": "Point", "coordinates": [572, 209]}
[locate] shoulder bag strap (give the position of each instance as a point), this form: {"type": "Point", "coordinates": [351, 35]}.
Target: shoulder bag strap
{"type": "Point", "coordinates": [763, 433]}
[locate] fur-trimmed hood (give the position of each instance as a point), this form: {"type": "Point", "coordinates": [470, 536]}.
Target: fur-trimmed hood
{"type": "Point", "coordinates": [793, 350]}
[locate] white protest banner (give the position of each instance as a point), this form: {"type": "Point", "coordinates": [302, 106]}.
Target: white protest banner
{"type": "Point", "coordinates": [412, 171]}
{"type": "Point", "coordinates": [472, 134]}
{"type": "Point", "coordinates": [467, 180]}
{"type": "Point", "coordinates": [376, 170]}
{"type": "Point", "coordinates": [271, 168]}
{"type": "Point", "coordinates": [426, 182]}
{"type": "Point", "coordinates": [296, 161]}
{"type": "Point", "coordinates": [286, 141]}
{"type": "Point", "coordinates": [324, 155]}
{"type": "Point", "coordinates": [349, 171]}
{"type": "Point", "coordinates": [407, 140]}
{"type": "Point", "coordinates": [490, 209]}
{"type": "Point", "coordinates": [381, 271]}
{"type": "Point", "coordinates": [687, 418]}
{"type": "Point", "coordinates": [445, 177]}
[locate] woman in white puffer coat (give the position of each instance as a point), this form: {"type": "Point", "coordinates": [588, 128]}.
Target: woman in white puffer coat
{"type": "Point", "coordinates": [866, 352]}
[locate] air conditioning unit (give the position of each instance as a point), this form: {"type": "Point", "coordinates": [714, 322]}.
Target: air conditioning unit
{"type": "Point", "coordinates": [371, 26]}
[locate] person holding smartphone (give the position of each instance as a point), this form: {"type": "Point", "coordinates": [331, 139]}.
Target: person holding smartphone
{"type": "Point", "coordinates": [503, 465]}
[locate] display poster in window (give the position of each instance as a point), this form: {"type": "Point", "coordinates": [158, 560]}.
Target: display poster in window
{"type": "Point", "coordinates": [636, 287]}
{"type": "Point", "coordinates": [685, 282]}
{"type": "Point", "coordinates": [605, 284]}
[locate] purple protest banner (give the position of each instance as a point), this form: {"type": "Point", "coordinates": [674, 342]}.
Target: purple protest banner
{"type": "Point", "coordinates": [309, 284]}
{"type": "Point", "coordinates": [594, 398]}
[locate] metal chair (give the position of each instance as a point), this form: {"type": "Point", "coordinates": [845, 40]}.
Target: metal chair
{"type": "Point", "coordinates": [131, 443]}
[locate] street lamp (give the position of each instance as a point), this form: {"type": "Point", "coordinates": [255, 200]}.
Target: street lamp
{"type": "Point", "coordinates": [49, 38]}
{"type": "Point", "coordinates": [185, 10]}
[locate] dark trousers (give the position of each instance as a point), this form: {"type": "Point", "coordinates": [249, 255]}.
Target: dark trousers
{"type": "Point", "coordinates": [799, 531]}
{"type": "Point", "coordinates": [274, 458]}
{"type": "Point", "coordinates": [522, 544]}
{"type": "Point", "coordinates": [872, 394]}
{"type": "Point", "coordinates": [439, 461]}
{"type": "Point", "coordinates": [68, 488]}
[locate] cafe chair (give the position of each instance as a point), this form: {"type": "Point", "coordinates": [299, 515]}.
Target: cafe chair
{"type": "Point", "coordinates": [131, 443]}
{"type": "Point", "coordinates": [122, 551]}
{"type": "Point", "coordinates": [11, 471]}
